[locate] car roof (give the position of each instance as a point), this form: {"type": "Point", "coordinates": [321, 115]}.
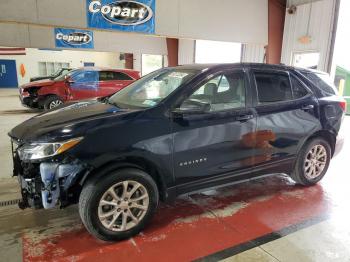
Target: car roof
{"type": "Point", "coordinates": [241, 65]}
{"type": "Point", "coordinates": [97, 68]}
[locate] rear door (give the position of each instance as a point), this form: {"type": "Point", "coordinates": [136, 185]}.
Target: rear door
{"type": "Point", "coordinates": [106, 83]}
{"type": "Point", "coordinates": [112, 81]}
{"type": "Point", "coordinates": [122, 79]}
{"type": "Point", "coordinates": [286, 114]}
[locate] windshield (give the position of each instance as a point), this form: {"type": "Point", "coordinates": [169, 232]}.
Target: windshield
{"type": "Point", "coordinates": [64, 74]}
{"type": "Point", "coordinates": [151, 89]}
{"type": "Point", "coordinates": [56, 72]}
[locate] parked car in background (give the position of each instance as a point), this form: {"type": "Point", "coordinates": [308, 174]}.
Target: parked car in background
{"type": "Point", "coordinates": [77, 84]}
{"type": "Point", "coordinates": [61, 71]}
{"type": "Point", "coordinates": [175, 131]}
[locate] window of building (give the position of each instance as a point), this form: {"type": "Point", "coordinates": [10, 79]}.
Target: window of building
{"type": "Point", "coordinates": [49, 68]}
{"type": "Point", "coordinates": [306, 59]}
{"type": "Point", "coordinates": [207, 51]}
{"type": "Point", "coordinates": [150, 63]}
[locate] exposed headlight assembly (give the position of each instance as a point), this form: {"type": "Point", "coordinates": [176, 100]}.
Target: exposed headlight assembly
{"type": "Point", "coordinates": [37, 151]}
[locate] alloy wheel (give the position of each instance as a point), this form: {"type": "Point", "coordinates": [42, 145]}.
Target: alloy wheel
{"type": "Point", "coordinates": [315, 161]}
{"type": "Point", "coordinates": [55, 103]}
{"type": "Point", "coordinates": [123, 205]}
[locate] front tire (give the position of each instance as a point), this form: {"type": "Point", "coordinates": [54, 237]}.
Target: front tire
{"type": "Point", "coordinates": [312, 162]}
{"type": "Point", "coordinates": [52, 101]}
{"type": "Point", "coordinates": [118, 205]}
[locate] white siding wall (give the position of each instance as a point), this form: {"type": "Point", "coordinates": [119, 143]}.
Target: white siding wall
{"type": "Point", "coordinates": [186, 51]}
{"type": "Point", "coordinates": [253, 53]}
{"type": "Point", "coordinates": [75, 58]}
{"type": "Point", "coordinates": [321, 24]}
{"type": "Point", "coordinates": [299, 2]}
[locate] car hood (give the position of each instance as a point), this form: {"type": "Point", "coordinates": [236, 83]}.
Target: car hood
{"type": "Point", "coordinates": [43, 82]}
{"type": "Point", "coordinates": [69, 121]}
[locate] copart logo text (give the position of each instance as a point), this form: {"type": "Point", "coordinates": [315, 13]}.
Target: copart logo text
{"type": "Point", "coordinates": [122, 12]}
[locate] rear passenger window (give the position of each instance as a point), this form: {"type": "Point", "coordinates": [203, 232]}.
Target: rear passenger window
{"type": "Point", "coordinates": [299, 90]}
{"type": "Point", "coordinates": [273, 87]}
{"type": "Point", "coordinates": [106, 75]}
{"type": "Point", "coordinates": [121, 76]}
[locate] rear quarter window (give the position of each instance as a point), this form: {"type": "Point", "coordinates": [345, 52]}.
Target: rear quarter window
{"type": "Point", "coordinates": [322, 81]}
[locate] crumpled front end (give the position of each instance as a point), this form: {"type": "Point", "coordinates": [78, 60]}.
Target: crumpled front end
{"type": "Point", "coordinates": [48, 183]}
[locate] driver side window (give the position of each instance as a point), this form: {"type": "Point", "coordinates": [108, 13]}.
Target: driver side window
{"type": "Point", "coordinates": [225, 91]}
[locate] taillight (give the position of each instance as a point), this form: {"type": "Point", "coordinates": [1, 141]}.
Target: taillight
{"type": "Point", "coordinates": [343, 105]}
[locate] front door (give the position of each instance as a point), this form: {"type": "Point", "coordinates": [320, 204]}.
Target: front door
{"type": "Point", "coordinates": [83, 84]}
{"type": "Point", "coordinates": [217, 141]}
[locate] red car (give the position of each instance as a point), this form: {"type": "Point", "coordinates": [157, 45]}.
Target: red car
{"type": "Point", "coordinates": [78, 84]}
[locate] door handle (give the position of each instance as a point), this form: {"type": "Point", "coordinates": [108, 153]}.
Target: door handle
{"type": "Point", "coordinates": [244, 118]}
{"type": "Point", "coordinates": [307, 107]}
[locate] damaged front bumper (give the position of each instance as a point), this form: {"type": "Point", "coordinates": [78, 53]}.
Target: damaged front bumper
{"type": "Point", "coordinates": [50, 183]}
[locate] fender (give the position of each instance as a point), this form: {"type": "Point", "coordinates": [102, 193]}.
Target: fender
{"type": "Point", "coordinates": [326, 134]}
{"type": "Point", "coordinates": [137, 162]}
{"type": "Point", "coordinates": [55, 89]}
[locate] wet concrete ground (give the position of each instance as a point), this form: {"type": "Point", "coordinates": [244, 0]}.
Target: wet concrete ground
{"type": "Point", "coordinates": [268, 219]}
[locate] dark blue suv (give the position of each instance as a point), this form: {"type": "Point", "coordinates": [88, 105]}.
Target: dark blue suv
{"type": "Point", "coordinates": [174, 131]}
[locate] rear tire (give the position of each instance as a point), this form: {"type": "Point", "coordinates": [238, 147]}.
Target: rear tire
{"type": "Point", "coordinates": [109, 212]}
{"type": "Point", "coordinates": [52, 101]}
{"type": "Point", "coordinates": [312, 162]}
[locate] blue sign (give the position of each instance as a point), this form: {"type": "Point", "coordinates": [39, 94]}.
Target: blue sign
{"type": "Point", "coordinates": [8, 73]}
{"type": "Point", "coordinates": [74, 38]}
{"type": "Point", "coordinates": [122, 15]}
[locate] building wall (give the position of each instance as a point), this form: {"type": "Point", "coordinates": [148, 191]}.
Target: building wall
{"type": "Point", "coordinates": [24, 35]}
{"type": "Point", "coordinates": [242, 21]}
{"type": "Point", "coordinates": [75, 58]}
{"type": "Point", "coordinates": [320, 30]}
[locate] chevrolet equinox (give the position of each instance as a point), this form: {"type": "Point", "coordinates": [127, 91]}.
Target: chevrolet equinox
{"type": "Point", "coordinates": [175, 131]}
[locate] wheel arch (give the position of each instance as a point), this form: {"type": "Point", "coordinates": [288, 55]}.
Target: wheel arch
{"type": "Point", "coordinates": [129, 162]}
{"type": "Point", "coordinates": [327, 135]}
{"type": "Point", "coordinates": [43, 98]}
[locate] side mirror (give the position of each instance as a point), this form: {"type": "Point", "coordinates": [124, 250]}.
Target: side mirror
{"type": "Point", "coordinates": [69, 80]}
{"type": "Point", "coordinates": [191, 107]}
